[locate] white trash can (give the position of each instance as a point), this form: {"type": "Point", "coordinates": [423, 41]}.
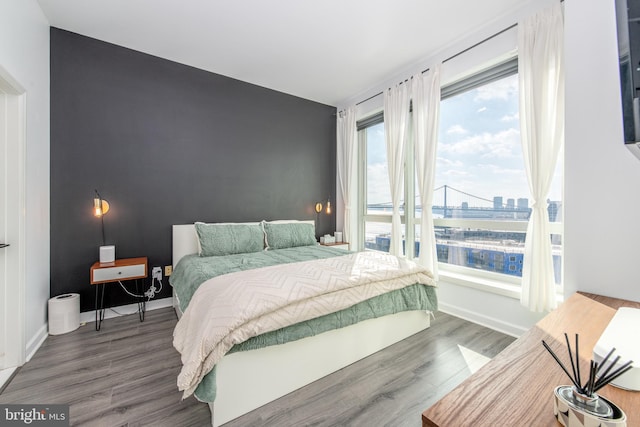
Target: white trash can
{"type": "Point", "coordinates": [64, 314]}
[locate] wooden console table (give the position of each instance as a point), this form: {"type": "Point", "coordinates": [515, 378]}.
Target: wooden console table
{"type": "Point", "coordinates": [516, 387]}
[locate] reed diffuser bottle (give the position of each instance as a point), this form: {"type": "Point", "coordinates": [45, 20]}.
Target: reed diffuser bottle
{"type": "Point", "coordinates": [579, 405]}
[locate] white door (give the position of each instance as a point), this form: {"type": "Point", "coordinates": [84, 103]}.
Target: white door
{"type": "Point", "coordinates": [12, 264]}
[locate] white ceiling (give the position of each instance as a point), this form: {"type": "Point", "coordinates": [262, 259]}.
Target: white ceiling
{"type": "Point", "coordinates": [323, 50]}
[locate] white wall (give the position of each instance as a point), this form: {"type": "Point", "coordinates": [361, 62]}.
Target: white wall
{"type": "Point", "coordinates": [24, 53]}
{"type": "Point", "coordinates": [602, 201]}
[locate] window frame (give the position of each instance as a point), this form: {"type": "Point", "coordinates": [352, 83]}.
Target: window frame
{"type": "Point", "coordinates": [494, 282]}
{"type": "Point", "coordinates": [497, 282]}
{"type": "Point", "coordinates": [363, 215]}
{"type": "Point", "coordinates": [408, 221]}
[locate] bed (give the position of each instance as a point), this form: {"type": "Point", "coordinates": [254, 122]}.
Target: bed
{"type": "Point", "coordinates": [271, 372]}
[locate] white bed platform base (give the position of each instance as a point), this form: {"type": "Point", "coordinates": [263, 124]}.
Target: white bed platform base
{"type": "Point", "coordinates": [247, 380]}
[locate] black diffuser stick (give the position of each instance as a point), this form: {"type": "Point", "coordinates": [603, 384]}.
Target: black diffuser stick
{"type": "Point", "coordinates": [593, 366]}
{"type": "Point", "coordinates": [560, 363]}
{"type": "Point", "coordinates": [606, 371]}
{"type": "Point", "coordinates": [578, 365]}
{"type": "Point", "coordinates": [591, 385]}
{"type": "Point", "coordinates": [611, 378]}
{"type": "Point", "coordinates": [604, 361]}
{"type": "Point", "coordinates": [587, 384]}
{"type": "Point", "coordinates": [573, 366]}
{"type": "Point", "coordinates": [615, 374]}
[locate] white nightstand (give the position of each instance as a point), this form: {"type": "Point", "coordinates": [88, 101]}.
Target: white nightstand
{"type": "Point", "coordinates": [341, 245]}
{"type": "Point", "coordinates": [117, 271]}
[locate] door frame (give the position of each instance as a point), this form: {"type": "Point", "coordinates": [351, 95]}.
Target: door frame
{"type": "Point", "coordinates": [13, 298]}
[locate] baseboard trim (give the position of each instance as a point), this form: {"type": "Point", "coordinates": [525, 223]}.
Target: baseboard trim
{"type": "Point", "coordinates": [125, 310]}
{"type": "Point", "coordinates": [5, 377]}
{"type": "Point", "coordinates": [481, 319]}
{"type": "Point", "coordinates": [34, 343]}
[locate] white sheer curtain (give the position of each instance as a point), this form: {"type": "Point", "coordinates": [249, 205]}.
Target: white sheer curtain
{"type": "Point", "coordinates": [541, 74]}
{"type": "Point", "coordinates": [347, 152]}
{"type": "Point", "coordinates": [426, 113]}
{"type": "Point", "coordinates": [396, 117]}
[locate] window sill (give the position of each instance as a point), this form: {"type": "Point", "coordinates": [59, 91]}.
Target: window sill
{"type": "Point", "coordinates": [480, 283]}
{"type": "Point", "coordinates": [488, 285]}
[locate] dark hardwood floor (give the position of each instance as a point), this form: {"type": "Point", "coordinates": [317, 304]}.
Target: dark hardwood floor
{"type": "Point", "coordinates": [125, 375]}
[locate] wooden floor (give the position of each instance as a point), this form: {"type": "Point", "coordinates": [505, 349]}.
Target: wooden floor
{"type": "Point", "coordinates": [125, 375]}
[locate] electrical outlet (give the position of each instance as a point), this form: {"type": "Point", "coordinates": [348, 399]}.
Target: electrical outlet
{"type": "Point", "coordinates": [168, 269]}
{"type": "Point", "coordinates": [156, 273]}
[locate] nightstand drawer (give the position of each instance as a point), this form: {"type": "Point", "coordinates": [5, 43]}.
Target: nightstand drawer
{"type": "Point", "coordinates": [124, 272]}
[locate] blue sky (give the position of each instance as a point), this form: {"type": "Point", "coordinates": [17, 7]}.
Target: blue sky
{"type": "Point", "coordinates": [479, 149]}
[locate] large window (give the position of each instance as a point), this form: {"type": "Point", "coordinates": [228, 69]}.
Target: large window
{"type": "Point", "coordinates": [481, 200]}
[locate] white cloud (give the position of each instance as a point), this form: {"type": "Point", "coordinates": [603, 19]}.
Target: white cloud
{"type": "Point", "coordinates": [500, 89]}
{"type": "Point", "coordinates": [457, 130]}
{"type": "Point", "coordinates": [487, 145]}
{"type": "Point", "coordinates": [455, 173]}
{"type": "Point", "coordinates": [443, 162]}
{"type": "Point", "coordinates": [491, 168]}
{"type": "Point", "coordinates": [482, 109]}
{"type": "Point", "coordinates": [510, 117]}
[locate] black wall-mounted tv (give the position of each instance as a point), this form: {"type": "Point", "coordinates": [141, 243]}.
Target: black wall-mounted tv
{"type": "Point", "coordinates": [628, 19]}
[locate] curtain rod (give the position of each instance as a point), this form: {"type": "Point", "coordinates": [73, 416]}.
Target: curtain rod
{"type": "Point", "coordinates": [479, 43]}
{"type": "Point", "coordinates": [454, 56]}
{"type": "Point", "coordinates": [451, 57]}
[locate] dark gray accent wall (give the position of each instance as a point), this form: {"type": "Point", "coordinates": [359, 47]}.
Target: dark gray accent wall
{"type": "Point", "coordinates": [167, 144]}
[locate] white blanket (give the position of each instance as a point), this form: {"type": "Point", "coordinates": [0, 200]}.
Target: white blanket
{"type": "Point", "coordinates": [232, 308]}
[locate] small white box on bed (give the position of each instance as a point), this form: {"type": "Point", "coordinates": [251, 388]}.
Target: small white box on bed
{"type": "Point", "coordinates": [622, 334]}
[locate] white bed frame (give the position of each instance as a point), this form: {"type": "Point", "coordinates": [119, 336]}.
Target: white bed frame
{"type": "Point", "coordinates": [249, 379]}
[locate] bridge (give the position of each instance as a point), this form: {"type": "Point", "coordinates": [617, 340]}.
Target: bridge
{"type": "Point", "coordinates": [449, 202]}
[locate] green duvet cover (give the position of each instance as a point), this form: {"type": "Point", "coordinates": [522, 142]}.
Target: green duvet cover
{"type": "Point", "coordinates": [193, 270]}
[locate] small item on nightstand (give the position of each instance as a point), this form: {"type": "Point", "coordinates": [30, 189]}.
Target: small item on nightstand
{"type": "Point", "coordinates": [107, 254]}
{"type": "Point", "coordinates": [579, 405]}
{"type": "Point", "coordinates": [322, 240]}
{"type": "Point", "coordinates": [338, 236]}
{"type": "Point", "coordinates": [329, 239]}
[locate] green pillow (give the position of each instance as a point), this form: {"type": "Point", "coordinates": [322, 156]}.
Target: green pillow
{"type": "Point", "coordinates": [289, 235]}
{"type": "Point", "coordinates": [227, 239]}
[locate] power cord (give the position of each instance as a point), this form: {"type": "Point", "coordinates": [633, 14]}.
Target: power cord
{"type": "Point", "coordinates": [152, 291]}
{"type": "Point", "coordinates": [149, 293]}
{"type": "Point", "coordinates": [121, 314]}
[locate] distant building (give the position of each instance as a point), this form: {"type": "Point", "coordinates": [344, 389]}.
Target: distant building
{"type": "Point", "coordinates": [555, 210]}
{"type": "Point", "coordinates": [497, 202]}
{"type": "Point", "coordinates": [511, 204]}
{"type": "Point", "coordinates": [505, 254]}
{"type": "Point", "coordinates": [523, 203]}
